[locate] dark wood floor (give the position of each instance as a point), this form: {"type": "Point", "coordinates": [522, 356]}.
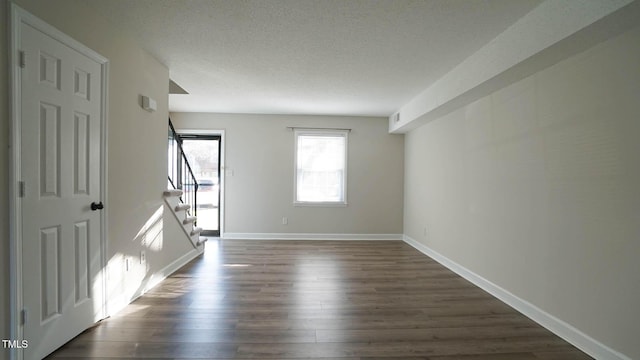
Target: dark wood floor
{"type": "Point", "coordinates": [317, 300]}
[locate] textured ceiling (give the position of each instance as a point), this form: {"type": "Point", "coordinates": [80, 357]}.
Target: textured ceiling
{"type": "Point", "coordinates": [330, 57]}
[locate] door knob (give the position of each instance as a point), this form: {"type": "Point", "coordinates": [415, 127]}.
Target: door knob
{"type": "Point", "coordinates": [98, 206]}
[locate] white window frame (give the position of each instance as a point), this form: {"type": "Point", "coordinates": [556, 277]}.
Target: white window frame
{"type": "Point", "coordinates": [320, 132]}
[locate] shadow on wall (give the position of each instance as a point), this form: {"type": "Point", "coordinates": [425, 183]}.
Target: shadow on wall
{"type": "Point", "coordinates": [130, 274]}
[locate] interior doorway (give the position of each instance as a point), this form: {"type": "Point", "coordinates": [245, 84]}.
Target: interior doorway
{"type": "Point", "coordinates": [59, 168]}
{"type": "Point", "coordinates": [204, 153]}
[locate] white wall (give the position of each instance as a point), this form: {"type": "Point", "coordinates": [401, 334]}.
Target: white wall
{"type": "Point", "coordinates": [259, 150]}
{"type": "Point", "coordinates": [137, 143]}
{"type": "Point", "coordinates": [535, 188]}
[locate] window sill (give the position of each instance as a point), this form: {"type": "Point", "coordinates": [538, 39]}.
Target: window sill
{"type": "Point", "coordinates": [319, 204]}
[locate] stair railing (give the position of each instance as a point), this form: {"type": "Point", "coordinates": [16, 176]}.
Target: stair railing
{"type": "Point", "coordinates": [180, 174]}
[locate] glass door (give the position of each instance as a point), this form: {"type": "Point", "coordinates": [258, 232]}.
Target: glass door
{"type": "Point", "coordinates": [203, 154]}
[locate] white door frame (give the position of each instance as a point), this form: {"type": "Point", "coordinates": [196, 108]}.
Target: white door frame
{"type": "Point", "coordinates": [18, 17]}
{"type": "Point", "coordinates": [222, 166]}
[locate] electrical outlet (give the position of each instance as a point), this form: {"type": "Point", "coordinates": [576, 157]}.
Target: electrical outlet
{"type": "Point", "coordinates": [143, 257]}
{"type": "Point", "coordinates": [285, 221]}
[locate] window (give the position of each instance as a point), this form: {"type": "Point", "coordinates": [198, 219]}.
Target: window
{"type": "Point", "coordinates": [320, 167]}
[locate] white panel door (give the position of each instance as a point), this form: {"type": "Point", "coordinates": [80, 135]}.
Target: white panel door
{"type": "Point", "coordinates": [60, 165]}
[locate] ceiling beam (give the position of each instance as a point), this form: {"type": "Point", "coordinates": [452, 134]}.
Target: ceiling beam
{"type": "Point", "coordinates": [552, 32]}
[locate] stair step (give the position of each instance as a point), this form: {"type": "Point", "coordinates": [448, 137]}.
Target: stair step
{"type": "Point", "coordinates": [182, 207]}
{"type": "Point", "coordinates": [201, 241]}
{"type": "Point", "coordinates": [173, 192]}
{"type": "Point", "coordinates": [196, 231]}
{"type": "Point", "coordinates": [189, 219]}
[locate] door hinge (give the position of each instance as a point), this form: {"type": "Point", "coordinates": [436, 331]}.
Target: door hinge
{"type": "Point", "coordinates": [21, 189]}
{"type": "Point", "coordinates": [23, 59]}
{"type": "Point", "coordinates": [24, 316]}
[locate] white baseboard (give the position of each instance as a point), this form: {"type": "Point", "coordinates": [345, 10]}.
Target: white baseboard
{"type": "Point", "coordinates": [564, 330]}
{"type": "Point", "coordinates": [173, 267]}
{"type": "Point", "coordinates": [309, 236]}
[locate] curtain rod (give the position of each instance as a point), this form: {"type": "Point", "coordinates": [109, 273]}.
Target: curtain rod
{"type": "Point", "coordinates": [314, 128]}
